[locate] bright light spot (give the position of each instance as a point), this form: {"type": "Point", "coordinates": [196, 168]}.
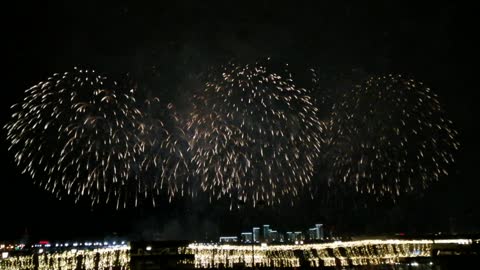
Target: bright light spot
{"type": "Point", "coordinates": [264, 245]}
{"type": "Point", "coordinates": [296, 242]}
{"type": "Point", "coordinates": [4, 255]}
{"type": "Point", "coordinates": [414, 264]}
{"type": "Point", "coordinates": [453, 241]}
{"type": "Point", "coordinates": [40, 251]}
{"type": "Point", "coordinates": [149, 248]}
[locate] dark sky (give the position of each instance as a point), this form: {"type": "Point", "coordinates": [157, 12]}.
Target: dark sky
{"type": "Point", "coordinates": [432, 43]}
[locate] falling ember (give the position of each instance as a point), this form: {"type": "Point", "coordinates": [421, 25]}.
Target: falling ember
{"type": "Point", "coordinates": [165, 163]}
{"type": "Point", "coordinates": [389, 135]}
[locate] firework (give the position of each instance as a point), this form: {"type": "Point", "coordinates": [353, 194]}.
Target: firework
{"type": "Point", "coordinates": [165, 162]}
{"type": "Point", "coordinates": [389, 135]}
{"type": "Point", "coordinates": [254, 135]}
{"type": "Point", "coordinates": [76, 133]}
{"type": "Point", "coordinates": [328, 86]}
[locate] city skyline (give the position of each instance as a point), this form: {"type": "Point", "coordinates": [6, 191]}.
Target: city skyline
{"type": "Point", "coordinates": [273, 236]}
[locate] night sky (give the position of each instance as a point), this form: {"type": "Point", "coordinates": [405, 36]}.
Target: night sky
{"type": "Point", "coordinates": [432, 43]}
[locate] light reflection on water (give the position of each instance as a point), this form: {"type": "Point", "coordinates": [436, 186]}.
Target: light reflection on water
{"type": "Point", "coordinates": [351, 255]}
{"type": "Point", "coordinates": [103, 258]}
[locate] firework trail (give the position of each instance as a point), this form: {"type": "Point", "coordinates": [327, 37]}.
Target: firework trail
{"type": "Point", "coordinates": [254, 135]}
{"type": "Point", "coordinates": [389, 135]}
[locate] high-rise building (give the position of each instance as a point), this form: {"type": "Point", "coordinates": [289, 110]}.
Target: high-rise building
{"type": "Point", "coordinates": [266, 231]}
{"type": "Point", "coordinates": [290, 237]}
{"type": "Point", "coordinates": [281, 237]}
{"type": "Point", "coordinates": [316, 233]}
{"type": "Point", "coordinates": [319, 228]}
{"type": "Point", "coordinates": [273, 236]}
{"type": "Point", "coordinates": [256, 234]}
{"type": "Point", "coordinates": [312, 234]}
{"type": "Point", "coordinates": [247, 237]}
{"type": "Point", "coordinates": [299, 236]}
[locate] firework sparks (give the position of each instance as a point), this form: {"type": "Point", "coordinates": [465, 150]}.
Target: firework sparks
{"type": "Point", "coordinates": [254, 134]}
{"type": "Point", "coordinates": [165, 163]}
{"type": "Point", "coordinates": [75, 133]}
{"type": "Point", "coordinates": [389, 135]}
{"type": "Point", "coordinates": [251, 135]}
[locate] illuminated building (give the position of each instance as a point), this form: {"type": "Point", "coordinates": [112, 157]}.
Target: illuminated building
{"type": "Point", "coordinates": [273, 236]}
{"type": "Point", "coordinates": [312, 234]}
{"type": "Point", "coordinates": [290, 237]}
{"type": "Point", "coordinates": [228, 239]}
{"type": "Point", "coordinates": [298, 236]}
{"type": "Point", "coordinates": [266, 231]}
{"type": "Point", "coordinates": [295, 236]}
{"type": "Point", "coordinates": [316, 233]}
{"type": "Point", "coordinates": [320, 235]}
{"type": "Point", "coordinates": [281, 237]}
{"type": "Point", "coordinates": [247, 237]}
{"type": "Point", "coordinates": [256, 234]}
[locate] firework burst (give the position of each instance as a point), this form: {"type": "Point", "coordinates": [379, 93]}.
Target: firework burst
{"type": "Point", "coordinates": [76, 133]}
{"type": "Point", "coordinates": [389, 135]}
{"type": "Point", "coordinates": [254, 134]}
